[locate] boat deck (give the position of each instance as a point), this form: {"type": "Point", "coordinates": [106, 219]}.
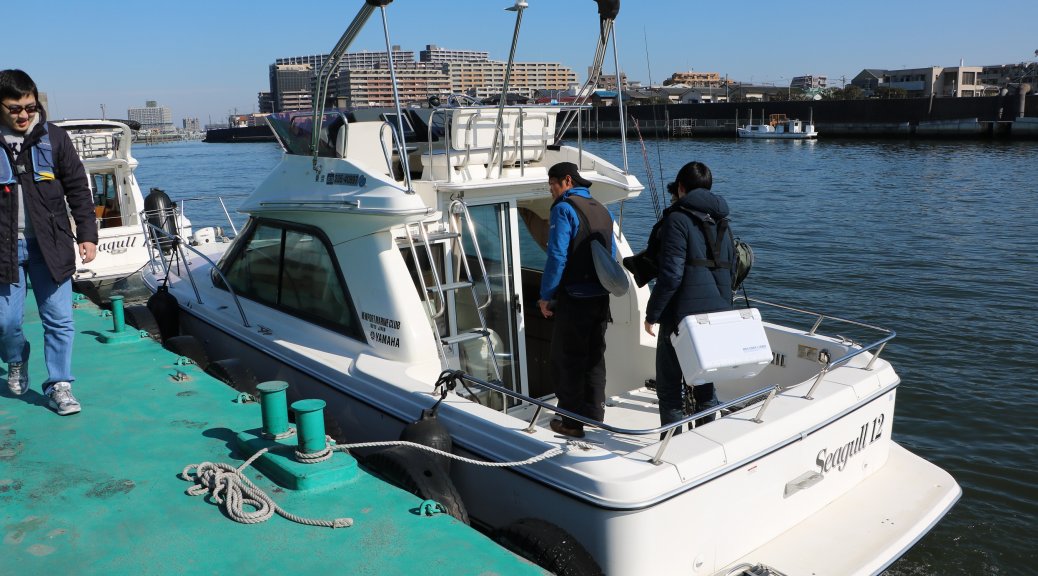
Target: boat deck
{"type": "Point", "coordinates": [99, 492]}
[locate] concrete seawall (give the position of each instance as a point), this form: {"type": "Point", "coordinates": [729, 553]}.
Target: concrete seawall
{"type": "Point", "coordinates": [1009, 116]}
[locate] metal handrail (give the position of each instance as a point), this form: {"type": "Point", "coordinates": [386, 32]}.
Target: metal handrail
{"type": "Point", "coordinates": [497, 160]}
{"type": "Point", "coordinates": [878, 345]}
{"type": "Point", "coordinates": [180, 243]}
{"type": "Point", "coordinates": [475, 244]}
{"type": "Point", "coordinates": [437, 310]}
{"type": "Point", "coordinates": [667, 429]}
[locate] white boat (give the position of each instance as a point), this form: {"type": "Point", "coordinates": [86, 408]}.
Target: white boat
{"type": "Point", "coordinates": [389, 277]}
{"type": "Point", "coordinates": [104, 147]}
{"type": "Point", "coordinates": [778, 126]}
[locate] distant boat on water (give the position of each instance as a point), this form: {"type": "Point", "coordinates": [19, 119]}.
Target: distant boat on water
{"type": "Point", "coordinates": [778, 126]}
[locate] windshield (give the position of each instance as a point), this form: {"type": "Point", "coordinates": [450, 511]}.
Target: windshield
{"type": "Point", "coordinates": [294, 130]}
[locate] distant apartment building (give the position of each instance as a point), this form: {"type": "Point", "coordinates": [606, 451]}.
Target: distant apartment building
{"type": "Point", "coordinates": [435, 54]}
{"type": "Point", "coordinates": [608, 81]}
{"type": "Point", "coordinates": [361, 59]}
{"type": "Point", "coordinates": [192, 124]}
{"type": "Point", "coordinates": [695, 79]}
{"type": "Point", "coordinates": [152, 117]}
{"type": "Point", "coordinates": [810, 82]}
{"type": "Point", "coordinates": [372, 87]}
{"type": "Point", "coordinates": [291, 87]}
{"type": "Point", "coordinates": [997, 76]}
{"type": "Point", "coordinates": [951, 81]}
{"type": "Point", "coordinates": [485, 79]}
{"type": "Point", "coordinates": [265, 102]}
{"type": "Point", "coordinates": [362, 78]}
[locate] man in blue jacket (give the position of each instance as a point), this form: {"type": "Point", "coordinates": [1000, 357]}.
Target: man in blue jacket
{"type": "Point", "coordinates": [690, 281]}
{"type": "Point", "coordinates": [581, 304]}
{"type": "Point", "coordinates": [42, 182]}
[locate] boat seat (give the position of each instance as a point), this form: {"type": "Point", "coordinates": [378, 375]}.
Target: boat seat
{"type": "Point", "coordinates": [467, 153]}
{"type": "Point", "coordinates": [362, 146]}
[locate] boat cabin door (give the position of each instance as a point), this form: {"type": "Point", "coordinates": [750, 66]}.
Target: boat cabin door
{"type": "Point", "coordinates": [497, 235]}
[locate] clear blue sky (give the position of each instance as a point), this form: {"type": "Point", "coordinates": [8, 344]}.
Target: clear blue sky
{"type": "Point", "coordinates": [206, 59]}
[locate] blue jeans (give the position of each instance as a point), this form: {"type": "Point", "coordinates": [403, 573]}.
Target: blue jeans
{"type": "Point", "coordinates": [54, 301]}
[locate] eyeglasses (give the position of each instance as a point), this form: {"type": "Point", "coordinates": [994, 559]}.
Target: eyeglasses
{"type": "Point", "coordinates": [16, 109]}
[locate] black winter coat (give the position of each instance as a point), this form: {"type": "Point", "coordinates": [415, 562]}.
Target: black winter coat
{"type": "Point", "coordinates": [48, 205]}
{"type": "Point", "coordinates": [681, 288]}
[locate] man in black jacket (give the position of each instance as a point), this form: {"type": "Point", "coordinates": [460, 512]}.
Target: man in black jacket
{"type": "Point", "coordinates": [42, 181]}
{"type": "Point", "coordinates": [689, 281]}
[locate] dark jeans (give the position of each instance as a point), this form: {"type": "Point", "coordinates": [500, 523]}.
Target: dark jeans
{"type": "Point", "coordinates": [670, 383]}
{"type": "Point", "coordinates": [578, 355]}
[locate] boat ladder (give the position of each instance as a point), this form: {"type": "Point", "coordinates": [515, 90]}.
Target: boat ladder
{"type": "Point", "coordinates": [436, 294]}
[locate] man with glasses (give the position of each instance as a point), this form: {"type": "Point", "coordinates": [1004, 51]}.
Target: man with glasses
{"type": "Point", "coordinates": [42, 182]}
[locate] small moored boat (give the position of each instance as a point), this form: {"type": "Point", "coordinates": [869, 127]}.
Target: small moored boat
{"type": "Point", "coordinates": [104, 147]}
{"type": "Point", "coordinates": [780, 127]}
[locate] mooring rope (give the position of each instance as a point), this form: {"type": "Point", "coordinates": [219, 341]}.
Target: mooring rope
{"type": "Point", "coordinates": [232, 491]}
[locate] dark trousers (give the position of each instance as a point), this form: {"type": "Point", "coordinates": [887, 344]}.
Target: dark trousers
{"type": "Point", "coordinates": [578, 355]}
{"type": "Point", "coordinates": [670, 384]}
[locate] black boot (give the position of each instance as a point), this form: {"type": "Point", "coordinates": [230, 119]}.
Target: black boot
{"type": "Point", "coordinates": [706, 398]}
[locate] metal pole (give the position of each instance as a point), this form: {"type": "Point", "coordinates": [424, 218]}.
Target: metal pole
{"type": "Point", "coordinates": [620, 100]}
{"type": "Point", "coordinates": [401, 148]}
{"type": "Point", "coordinates": [498, 153]}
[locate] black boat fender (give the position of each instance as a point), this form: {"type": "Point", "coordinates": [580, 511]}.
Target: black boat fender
{"type": "Point", "coordinates": [429, 431]}
{"type": "Point", "coordinates": [161, 213]}
{"type": "Point", "coordinates": [417, 472]}
{"type": "Point", "coordinates": [189, 347]}
{"type": "Point", "coordinates": [166, 311]}
{"type": "Point", "coordinates": [234, 373]}
{"type": "Point", "coordinates": [549, 547]}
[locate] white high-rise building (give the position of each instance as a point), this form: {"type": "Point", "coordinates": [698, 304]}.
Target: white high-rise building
{"type": "Point", "coordinates": [152, 117]}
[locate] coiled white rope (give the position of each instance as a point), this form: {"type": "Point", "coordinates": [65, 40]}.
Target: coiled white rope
{"type": "Point", "coordinates": [230, 489]}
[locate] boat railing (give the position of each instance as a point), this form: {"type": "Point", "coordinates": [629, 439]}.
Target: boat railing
{"type": "Point", "coordinates": [166, 248]}
{"type": "Point", "coordinates": [667, 430]}
{"type": "Point", "coordinates": [855, 349]}
{"type": "Point", "coordinates": [95, 145]}
{"type": "Point", "coordinates": [471, 135]}
{"type": "Point", "coordinates": [767, 393]}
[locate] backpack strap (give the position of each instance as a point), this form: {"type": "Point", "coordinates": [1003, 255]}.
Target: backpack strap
{"type": "Point", "coordinates": [713, 241]}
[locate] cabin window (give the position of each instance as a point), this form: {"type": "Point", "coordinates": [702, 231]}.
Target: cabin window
{"type": "Point", "coordinates": [292, 269]}
{"type": "Point", "coordinates": [106, 200]}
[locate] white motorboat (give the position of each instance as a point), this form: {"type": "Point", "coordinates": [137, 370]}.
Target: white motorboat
{"type": "Point", "coordinates": [389, 277]}
{"type": "Point", "coordinates": [779, 126]}
{"type": "Point", "coordinates": [104, 147]}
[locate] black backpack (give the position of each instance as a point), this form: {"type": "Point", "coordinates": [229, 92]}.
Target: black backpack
{"type": "Point", "coordinates": [643, 264]}
{"type": "Point", "coordinates": [743, 252]}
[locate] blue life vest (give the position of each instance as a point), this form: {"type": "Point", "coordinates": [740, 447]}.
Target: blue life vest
{"type": "Point", "coordinates": [42, 162]}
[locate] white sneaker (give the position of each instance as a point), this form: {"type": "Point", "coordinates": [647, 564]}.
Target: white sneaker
{"type": "Point", "coordinates": [61, 399]}
{"type": "Point", "coordinates": [18, 378]}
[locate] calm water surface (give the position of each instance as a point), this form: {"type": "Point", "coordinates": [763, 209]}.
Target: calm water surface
{"type": "Point", "coordinates": [933, 239]}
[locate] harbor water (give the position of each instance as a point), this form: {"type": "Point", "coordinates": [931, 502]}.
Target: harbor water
{"type": "Point", "coordinates": [935, 240]}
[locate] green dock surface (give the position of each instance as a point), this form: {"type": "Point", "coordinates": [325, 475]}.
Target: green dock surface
{"type": "Point", "coordinates": [99, 492]}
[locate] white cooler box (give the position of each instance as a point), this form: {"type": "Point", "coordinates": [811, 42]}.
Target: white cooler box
{"type": "Point", "coordinates": [728, 345]}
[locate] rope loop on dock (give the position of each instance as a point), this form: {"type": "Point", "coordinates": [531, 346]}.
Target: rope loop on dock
{"type": "Point", "coordinates": [233, 491]}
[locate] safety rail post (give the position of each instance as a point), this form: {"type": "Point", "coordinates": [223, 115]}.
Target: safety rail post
{"type": "Point", "coordinates": [760, 413]}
